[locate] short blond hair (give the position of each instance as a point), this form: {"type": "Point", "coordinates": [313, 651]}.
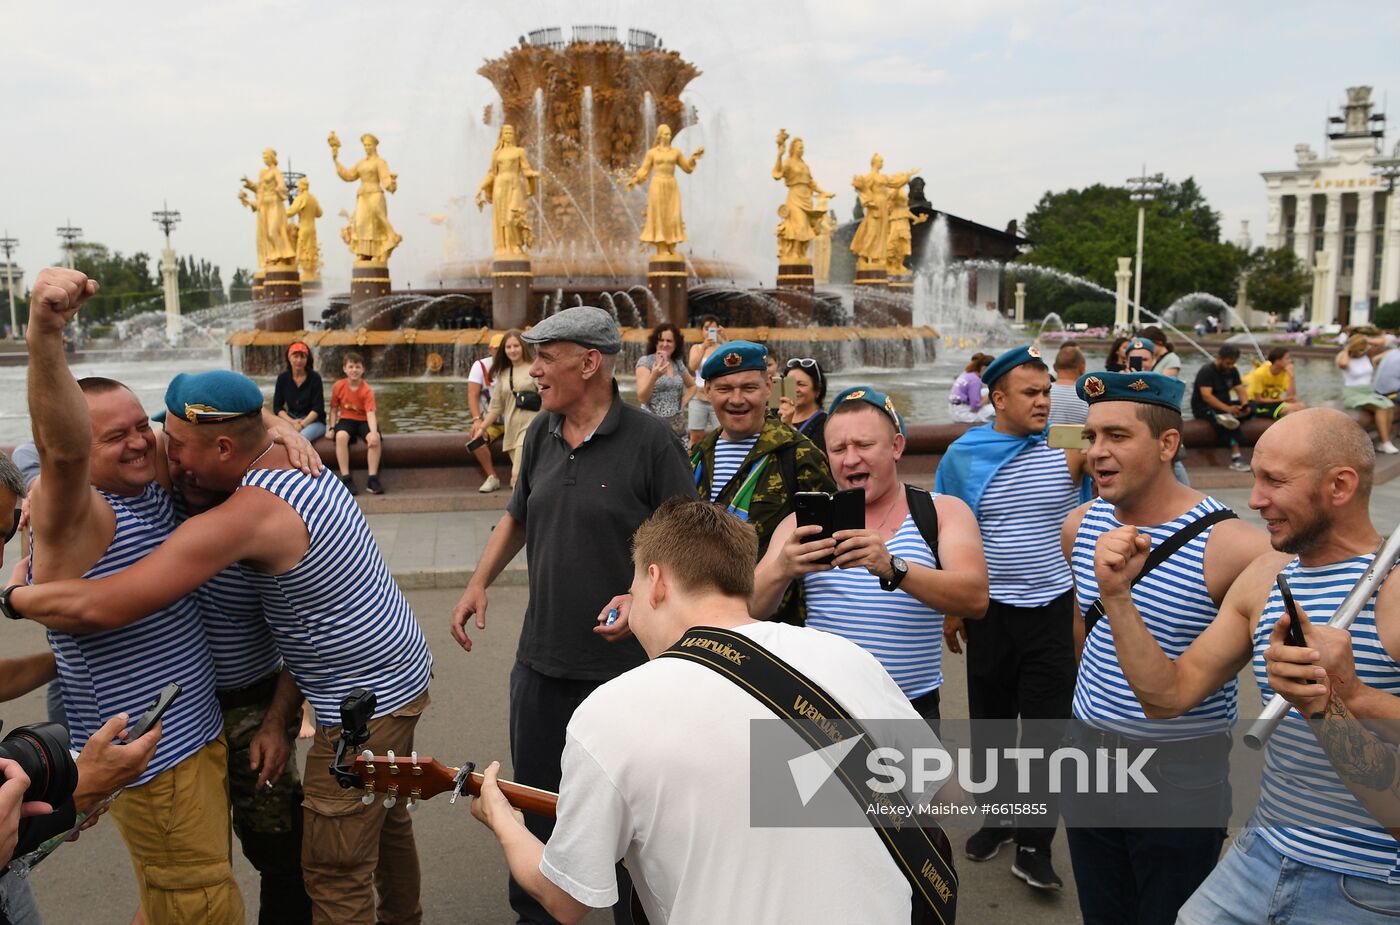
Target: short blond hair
{"type": "Point", "coordinates": [701, 545]}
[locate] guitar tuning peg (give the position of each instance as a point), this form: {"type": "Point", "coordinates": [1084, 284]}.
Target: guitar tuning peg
{"type": "Point", "coordinates": [368, 757]}
{"type": "Point", "coordinates": [389, 756]}
{"type": "Point", "coordinates": [415, 759]}
{"type": "Point", "coordinates": [392, 798]}
{"type": "Point", "coordinates": [368, 798]}
{"type": "Point", "coordinates": [412, 805]}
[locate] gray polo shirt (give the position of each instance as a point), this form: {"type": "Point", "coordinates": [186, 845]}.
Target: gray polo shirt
{"type": "Point", "coordinates": [580, 507]}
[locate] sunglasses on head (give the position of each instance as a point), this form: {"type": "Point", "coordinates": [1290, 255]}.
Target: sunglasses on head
{"type": "Point", "coordinates": [14, 528]}
{"type": "Point", "coordinates": [804, 362]}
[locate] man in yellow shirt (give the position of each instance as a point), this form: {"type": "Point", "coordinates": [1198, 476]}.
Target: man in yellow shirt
{"type": "Point", "coordinates": [1271, 388]}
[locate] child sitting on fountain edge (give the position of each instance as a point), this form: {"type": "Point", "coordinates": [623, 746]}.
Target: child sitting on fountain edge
{"type": "Point", "coordinates": [353, 417]}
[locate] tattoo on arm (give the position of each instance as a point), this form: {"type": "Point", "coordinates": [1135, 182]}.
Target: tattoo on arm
{"type": "Point", "coordinates": [1358, 754]}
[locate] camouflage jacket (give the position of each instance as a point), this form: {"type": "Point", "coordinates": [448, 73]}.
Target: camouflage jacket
{"type": "Point", "coordinates": [761, 495]}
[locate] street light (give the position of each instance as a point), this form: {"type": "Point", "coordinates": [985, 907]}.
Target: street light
{"type": "Point", "coordinates": [1143, 190]}
{"type": "Point", "coordinates": [9, 245]}
{"type": "Point", "coordinates": [167, 219]}
{"type": "Point", "coordinates": [291, 177]}
{"type": "Point", "coordinates": [70, 235]}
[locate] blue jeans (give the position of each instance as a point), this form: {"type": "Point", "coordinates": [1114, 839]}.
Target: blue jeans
{"type": "Point", "coordinates": [17, 904]}
{"type": "Point", "coordinates": [1253, 883]}
{"type": "Point", "coordinates": [313, 431]}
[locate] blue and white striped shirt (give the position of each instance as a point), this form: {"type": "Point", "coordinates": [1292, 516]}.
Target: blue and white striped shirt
{"type": "Point", "coordinates": [1022, 510]}
{"type": "Point", "coordinates": [338, 617]}
{"type": "Point", "coordinates": [1305, 811]}
{"type": "Point", "coordinates": [1175, 606]}
{"type": "Point", "coordinates": [122, 670]}
{"type": "Point", "coordinates": [238, 636]}
{"type": "Point", "coordinates": [905, 634]}
{"type": "Point", "coordinates": [729, 456]}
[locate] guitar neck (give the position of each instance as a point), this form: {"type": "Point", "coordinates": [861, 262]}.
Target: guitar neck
{"type": "Point", "coordinates": [528, 799]}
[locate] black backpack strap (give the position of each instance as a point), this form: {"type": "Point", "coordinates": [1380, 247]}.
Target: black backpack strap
{"type": "Point", "coordinates": [1162, 553]}
{"type": "Point", "coordinates": [922, 852]}
{"type": "Point", "coordinates": [787, 468]}
{"type": "Point", "coordinates": [925, 514]}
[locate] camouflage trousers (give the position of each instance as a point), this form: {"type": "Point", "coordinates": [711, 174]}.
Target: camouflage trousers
{"type": "Point", "coordinates": [268, 821]}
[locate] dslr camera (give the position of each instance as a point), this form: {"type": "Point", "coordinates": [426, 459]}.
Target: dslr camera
{"type": "Point", "coordinates": [41, 749]}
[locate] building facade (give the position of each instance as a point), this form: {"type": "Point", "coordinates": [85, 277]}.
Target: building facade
{"type": "Point", "coordinates": [1340, 215]}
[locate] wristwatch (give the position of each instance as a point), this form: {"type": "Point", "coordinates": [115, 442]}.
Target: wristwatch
{"type": "Point", "coordinates": [898, 566]}
{"type": "Point", "coordinates": [5, 608]}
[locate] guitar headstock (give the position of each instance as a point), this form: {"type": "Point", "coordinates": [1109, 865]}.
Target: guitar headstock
{"type": "Point", "coordinates": [411, 778]}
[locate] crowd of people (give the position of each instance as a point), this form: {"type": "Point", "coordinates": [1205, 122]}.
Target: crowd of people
{"type": "Point", "coordinates": [679, 588]}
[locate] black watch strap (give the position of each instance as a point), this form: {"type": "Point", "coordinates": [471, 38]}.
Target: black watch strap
{"type": "Point", "coordinates": [5, 608]}
{"type": "Point", "coordinates": [896, 575]}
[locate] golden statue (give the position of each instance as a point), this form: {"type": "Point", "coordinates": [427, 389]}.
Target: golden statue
{"type": "Point", "coordinates": [372, 238]}
{"type": "Point", "coordinates": [901, 240]}
{"type": "Point", "coordinates": [871, 241]}
{"type": "Point", "coordinates": [307, 210]}
{"type": "Point", "coordinates": [508, 182]}
{"type": "Point", "coordinates": [664, 227]}
{"type": "Point", "coordinates": [274, 245]}
{"type": "Point", "coordinates": [821, 244]}
{"type": "Point", "coordinates": [799, 218]}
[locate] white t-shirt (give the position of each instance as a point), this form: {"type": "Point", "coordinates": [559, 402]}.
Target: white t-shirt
{"type": "Point", "coordinates": [481, 375]}
{"type": "Point", "coordinates": [656, 772]}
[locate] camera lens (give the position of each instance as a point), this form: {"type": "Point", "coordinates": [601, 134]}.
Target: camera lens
{"type": "Point", "coordinates": [42, 750]}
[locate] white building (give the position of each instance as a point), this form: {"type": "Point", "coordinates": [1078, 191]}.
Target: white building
{"type": "Point", "coordinates": [1338, 214]}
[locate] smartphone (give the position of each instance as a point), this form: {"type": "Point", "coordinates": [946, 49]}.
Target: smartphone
{"type": "Point", "coordinates": [474, 445]}
{"type": "Point", "coordinates": [774, 394]}
{"type": "Point", "coordinates": [712, 335]}
{"type": "Point", "coordinates": [789, 387]}
{"type": "Point", "coordinates": [155, 711]}
{"type": "Point", "coordinates": [1135, 364]}
{"type": "Point", "coordinates": [814, 508]}
{"type": "Point", "coordinates": [1067, 437]}
{"type": "Point", "coordinates": [1295, 632]}
{"type": "Point", "coordinates": [848, 510]}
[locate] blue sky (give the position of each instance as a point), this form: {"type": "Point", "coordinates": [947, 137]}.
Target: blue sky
{"type": "Point", "coordinates": [111, 108]}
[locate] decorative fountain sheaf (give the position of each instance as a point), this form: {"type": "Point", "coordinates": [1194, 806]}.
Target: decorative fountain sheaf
{"type": "Point", "coordinates": [585, 112]}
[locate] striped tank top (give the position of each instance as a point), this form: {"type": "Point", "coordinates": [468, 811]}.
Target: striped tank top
{"type": "Point", "coordinates": [239, 638]}
{"type": "Point", "coordinates": [1305, 811]}
{"type": "Point", "coordinates": [729, 456]}
{"type": "Point", "coordinates": [1022, 510]}
{"type": "Point", "coordinates": [338, 617]}
{"type": "Point", "coordinates": [122, 670]}
{"type": "Point", "coordinates": [905, 634]}
{"type": "Point", "coordinates": [1176, 608]}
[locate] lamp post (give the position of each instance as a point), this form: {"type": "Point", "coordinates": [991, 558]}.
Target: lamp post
{"type": "Point", "coordinates": [9, 245]}
{"type": "Point", "coordinates": [1143, 190]}
{"type": "Point", "coordinates": [170, 273]}
{"type": "Point", "coordinates": [70, 235]}
{"type": "Point", "coordinates": [291, 177]}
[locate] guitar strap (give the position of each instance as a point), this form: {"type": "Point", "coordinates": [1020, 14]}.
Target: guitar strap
{"type": "Point", "coordinates": [921, 852]}
{"type": "Point", "coordinates": [1160, 554]}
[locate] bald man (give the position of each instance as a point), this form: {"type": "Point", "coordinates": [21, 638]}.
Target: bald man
{"type": "Point", "coordinates": [1312, 851]}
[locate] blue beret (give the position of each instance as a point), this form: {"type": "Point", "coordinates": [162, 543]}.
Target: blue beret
{"type": "Point", "coordinates": [1143, 388]}
{"type": "Point", "coordinates": [734, 357]}
{"type": "Point", "coordinates": [1016, 356]}
{"type": "Point", "coordinates": [873, 397]}
{"type": "Point", "coordinates": [1141, 343]}
{"type": "Point", "coordinates": [208, 398]}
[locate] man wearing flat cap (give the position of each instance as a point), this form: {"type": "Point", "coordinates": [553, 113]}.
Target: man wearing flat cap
{"type": "Point", "coordinates": [752, 464]}
{"type": "Point", "coordinates": [335, 613]}
{"type": "Point", "coordinates": [591, 470]}
{"type": "Point", "coordinates": [1129, 864]}
{"type": "Point", "coordinates": [1020, 656]}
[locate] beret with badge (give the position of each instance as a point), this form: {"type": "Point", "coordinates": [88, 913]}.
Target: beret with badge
{"type": "Point", "coordinates": [212, 397]}
{"type": "Point", "coordinates": [1006, 362]}
{"type": "Point", "coordinates": [736, 356]}
{"type": "Point", "coordinates": [1143, 388]}
{"type": "Point", "coordinates": [873, 397]}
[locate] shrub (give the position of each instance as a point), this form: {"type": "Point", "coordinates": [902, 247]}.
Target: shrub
{"type": "Point", "coordinates": [1097, 314]}
{"type": "Point", "coordinates": [1387, 316]}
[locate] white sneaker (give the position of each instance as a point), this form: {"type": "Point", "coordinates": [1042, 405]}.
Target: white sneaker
{"type": "Point", "coordinates": [491, 484]}
{"type": "Point", "coordinates": [1228, 421]}
{"type": "Point", "coordinates": [1388, 448]}
{"type": "Point", "coordinates": [1237, 464]}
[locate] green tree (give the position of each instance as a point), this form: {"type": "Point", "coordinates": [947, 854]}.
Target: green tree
{"type": "Point", "coordinates": [127, 282]}
{"type": "Point", "coordinates": [1277, 280]}
{"type": "Point", "coordinates": [1083, 231]}
{"type": "Point", "coordinates": [240, 288]}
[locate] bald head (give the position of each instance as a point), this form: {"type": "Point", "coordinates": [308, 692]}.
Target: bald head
{"type": "Point", "coordinates": [1323, 439]}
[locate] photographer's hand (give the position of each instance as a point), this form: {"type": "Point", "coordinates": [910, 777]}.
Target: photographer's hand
{"type": "Point", "coordinates": [13, 808]}
{"type": "Point", "coordinates": [105, 765]}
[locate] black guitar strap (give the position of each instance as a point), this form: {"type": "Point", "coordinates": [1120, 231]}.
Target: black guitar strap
{"type": "Point", "coordinates": [1162, 553]}
{"type": "Point", "coordinates": [922, 851]}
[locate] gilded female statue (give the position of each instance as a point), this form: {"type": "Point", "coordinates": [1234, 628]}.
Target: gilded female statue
{"type": "Point", "coordinates": [308, 250]}
{"type": "Point", "coordinates": [372, 238]}
{"type": "Point", "coordinates": [274, 244]}
{"type": "Point", "coordinates": [509, 180]}
{"type": "Point", "coordinates": [799, 219]}
{"type": "Point", "coordinates": [901, 240]}
{"type": "Point", "coordinates": [664, 227]}
{"type": "Point", "coordinates": [871, 240]}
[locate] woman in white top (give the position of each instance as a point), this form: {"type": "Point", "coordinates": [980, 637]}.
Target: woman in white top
{"type": "Point", "coordinates": [1354, 360]}
{"type": "Point", "coordinates": [515, 398]}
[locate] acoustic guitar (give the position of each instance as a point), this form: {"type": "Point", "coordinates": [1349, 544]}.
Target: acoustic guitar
{"type": "Point", "coordinates": [414, 779]}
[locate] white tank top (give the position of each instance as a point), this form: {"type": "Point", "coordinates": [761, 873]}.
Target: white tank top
{"type": "Point", "coordinates": [1358, 372]}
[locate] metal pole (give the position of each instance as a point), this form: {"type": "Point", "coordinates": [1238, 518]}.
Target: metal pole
{"type": "Point", "coordinates": [1137, 269]}
{"type": "Point", "coordinates": [1345, 615]}
{"type": "Point", "coordinates": [9, 244]}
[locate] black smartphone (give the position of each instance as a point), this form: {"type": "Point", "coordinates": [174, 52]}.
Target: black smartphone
{"type": "Point", "coordinates": [474, 445]}
{"type": "Point", "coordinates": [1295, 632]}
{"type": "Point", "coordinates": [848, 510]}
{"type": "Point", "coordinates": [814, 509]}
{"type": "Point", "coordinates": [1135, 364]}
{"type": "Point", "coordinates": [155, 711]}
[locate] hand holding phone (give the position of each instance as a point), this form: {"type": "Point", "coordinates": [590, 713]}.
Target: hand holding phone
{"type": "Point", "coordinates": [1295, 630]}
{"type": "Point", "coordinates": [155, 711]}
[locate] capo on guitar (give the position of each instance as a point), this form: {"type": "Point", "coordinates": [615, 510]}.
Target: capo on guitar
{"type": "Point", "coordinates": [460, 781]}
